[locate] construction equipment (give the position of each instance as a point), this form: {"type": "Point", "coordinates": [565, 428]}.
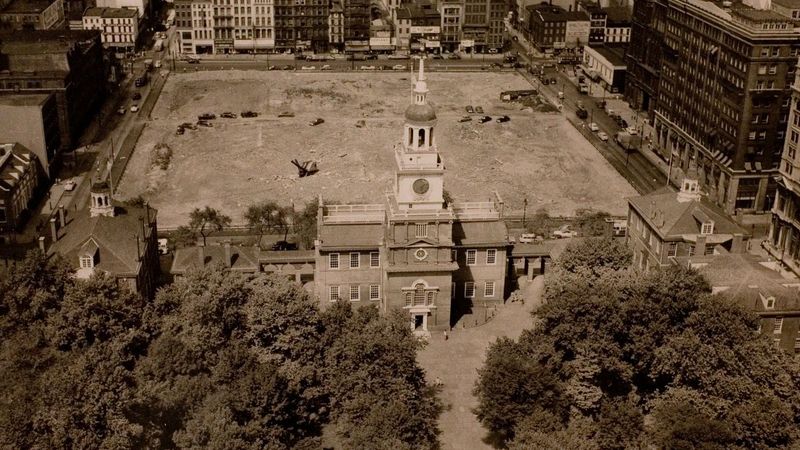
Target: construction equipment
{"type": "Point", "coordinates": [305, 168]}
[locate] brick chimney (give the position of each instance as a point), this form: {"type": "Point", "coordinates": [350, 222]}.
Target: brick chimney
{"type": "Point", "coordinates": [700, 246]}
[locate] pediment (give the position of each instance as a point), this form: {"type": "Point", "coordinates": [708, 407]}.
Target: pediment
{"type": "Point", "coordinates": [422, 242]}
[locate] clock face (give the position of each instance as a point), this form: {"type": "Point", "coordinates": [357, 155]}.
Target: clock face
{"type": "Point", "coordinates": [421, 186]}
{"type": "Point", "coordinates": [420, 254]}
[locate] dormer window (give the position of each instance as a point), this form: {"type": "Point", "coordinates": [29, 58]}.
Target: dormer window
{"type": "Point", "coordinates": [771, 303]}
{"type": "Point", "coordinates": [87, 262]}
{"type": "Point", "coordinates": [707, 228]}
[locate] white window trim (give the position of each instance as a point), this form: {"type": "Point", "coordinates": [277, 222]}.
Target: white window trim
{"type": "Point", "coordinates": [89, 262]}
{"type": "Point", "coordinates": [358, 260]}
{"type": "Point", "coordinates": [474, 254]}
{"type": "Point", "coordinates": [378, 297]}
{"type": "Point", "coordinates": [421, 230]}
{"type": "Point", "coordinates": [330, 261]}
{"type": "Point", "coordinates": [492, 252]}
{"type": "Point", "coordinates": [376, 257]}
{"type": "Point", "coordinates": [330, 293]}
{"type": "Point", "coordinates": [357, 291]}
{"type": "Point", "coordinates": [466, 289]}
{"type": "Point", "coordinates": [486, 289]}
{"type": "Point", "coordinates": [777, 326]}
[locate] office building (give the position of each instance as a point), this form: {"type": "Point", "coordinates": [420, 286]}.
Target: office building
{"type": "Point", "coordinates": [119, 27]}
{"type": "Point", "coordinates": [32, 15]}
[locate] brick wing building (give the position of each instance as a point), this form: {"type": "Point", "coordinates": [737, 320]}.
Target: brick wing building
{"type": "Point", "coordinates": [415, 252]}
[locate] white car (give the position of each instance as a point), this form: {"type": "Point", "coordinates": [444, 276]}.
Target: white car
{"type": "Point", "coordinates": [367, 67]}
{"type": "Point", "coordinates": [593, 126]}
{"type": "Point", "coordinates": [527, 238]}
{"type": "Point", "coordinates": [603, 136]}
{"type": "Point", "coordinates": [326, 67]}
{"type": "Point", "coordinates": [134, 108]}
{"type": "Point", "coordinates": [308, 68]}
{"type": "Point", "coordinates": [564, 232]}
{"type": "Point", "coordinates": [70, 185]}
{"type": "Point", "coordinates": [399, 67]}
{"type": "Point", "coordinates": [632, 130]}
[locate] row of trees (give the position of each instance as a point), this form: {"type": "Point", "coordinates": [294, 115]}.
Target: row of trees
{"type": "Point", "coordinates": [587, 221]}
{"type": "Point", "coordinates": [261, 218]}
{"type": "Point", "coordinates": [216, 361]}
{"type": "Point", "coordinates": [620, 359]}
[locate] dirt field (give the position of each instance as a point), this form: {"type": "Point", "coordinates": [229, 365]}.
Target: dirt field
{"type": "Point", "coordinates": [242, 161]}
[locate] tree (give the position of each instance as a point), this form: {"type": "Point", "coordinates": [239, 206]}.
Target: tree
{"type": "Point", "coordinates": [184, 236]}
{"type": "Point", "coordinates": [594, 254]}
{"type": "Point", "coordinates": [592, 223]}
{"type": "Point", "coordinates": [305, 224]}
{"type": "Point", "coordinates": [207, 220]}
{"type": "Point", "coordinates": [540, 223]}
{"type": "Point", "coordinates": [267, 216]}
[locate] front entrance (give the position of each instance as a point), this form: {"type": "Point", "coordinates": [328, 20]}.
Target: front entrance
{"type": "Point", "coordinates": [419, 322]}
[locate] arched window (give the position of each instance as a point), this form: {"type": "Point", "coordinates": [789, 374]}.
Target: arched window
{"type": "Point", "coordinates": [431, 298]}
{"type": "Point", "coordinates": [421, 137]}
{"type": "Point", "coordinates": [419, 294]}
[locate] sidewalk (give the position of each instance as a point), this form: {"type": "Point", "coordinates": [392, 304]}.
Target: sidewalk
{"type": "Point", "coordinates": [456, 362]}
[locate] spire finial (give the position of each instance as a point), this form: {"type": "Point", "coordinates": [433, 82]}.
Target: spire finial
{"type": "Point", "coordinates": [421, 69]}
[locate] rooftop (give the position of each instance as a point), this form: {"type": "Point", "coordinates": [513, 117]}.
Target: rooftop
{"type": "Point", "coordinates": [792, 4]}
{"type": "Point", "coordinates": [28, 42]}
{"type": "Point", "coordinates": [23, 99]}
{"type": "Point", "coordinates": [351, 236]}
{"type": "Point", "coordinates": [613, 55]}
{"type": "Point", "coordinates": [243, 259]}
{"type": "Point", "coordinates": [618, 14]}
{"type": "Point", "coordinates": [26, 6]}
{"type": "Point", "coordinates": [14, 161]}
{"type": "Point", "coordinates": [112, 13]}
{"type": "Point", "coordinates": [490, 232]}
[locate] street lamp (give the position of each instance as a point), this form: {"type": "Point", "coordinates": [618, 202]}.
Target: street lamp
{"type": "Point", "coordinates": [524, 210]}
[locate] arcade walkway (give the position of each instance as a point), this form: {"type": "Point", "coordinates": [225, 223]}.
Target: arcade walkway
{"type": "Point", "coordinates": [455, 362]}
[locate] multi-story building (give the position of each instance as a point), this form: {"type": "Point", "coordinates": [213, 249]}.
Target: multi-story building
{"type": "Point", "coordinates": [415, 253]}
{"type": "Point", "coordinates": [496, 29]}
{"type": "Point", "coordinates": [418, 27]}
{"type": "Point", "coordinates": [664, 225]}
{"type": "Point", "coordinates": [118, 240]}
{"type": "Point", "coordinates": [64, 62]}
{"type": "Point", "coordinates": [551, 27]}
{"type": "Point", "coordinates": [787, 8]}
{"type": "Point", "coordinates": [452, 14]}
{"type": "Point", "coordinates": [214, 26]}
{"type": "Point", "coordinates": [311, 25]}
{"type": "Point", "coordinates": [475, 28]}
{"type": "Point", "coordinates": [119, 26]}
{"type": "Point", "coordinates": [617, 25]}
{"type": "Point", "coordinates": [336, 26]}
{"type": "Point", "coordinates": [32, 121]}
{"type": "Point", "coordinates": [19, 178]}
{"type": "Point", "coordinates": [356, 25]}
{"type": "Point", "coordinates": [605, 64]}
{"type": "Point", "coordinates": [32, 15]}
{"type": "Point", "coordinates": [784, 231]}
{"type": "Point", "coordinates": [597, 21]}
{"type": "Point", "coordinates": [723, 92]}
{"type": "Point", "coordinates": [143, 7]}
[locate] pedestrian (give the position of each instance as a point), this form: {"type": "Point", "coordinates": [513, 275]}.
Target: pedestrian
{"type": "Point", "coordinates": [445, 335]}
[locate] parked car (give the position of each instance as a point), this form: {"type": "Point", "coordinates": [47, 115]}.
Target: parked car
{"type": "Point", "coordinates": [527, 238]}
{"type": "Point", "coordinates": [503, 119]}
{"type": "Point", "coordinates": [453, 56]}
{"type": "Point", "coordinates": [179, 131]}
{"type": "Point", "coordinates": [283, 245]}
{"type": "Point", "coordinates": [470, 109]}
{"type": "Point", "coordinates": [553, 80]}
{"type": "Point", "coordinates": [163, 247]}
{"type": "Point", "coordinates": [207, 116]}
{"type": "Point", "coordinates": [493, 51]}
{"type": "Point", "coordinates": [316, 122]}
{"type": "Point", "coordinates": [623, 123]}
{"type": "Point", "coordinates": [136, 96]}
{"type": "Point", "coordinates": [299, 56]}
{"type": "Point", "coordinates": [188, 126]}
{"type": "Point", "coordinates": [465, 119]}
{"type": "Point", "coordinates": [545, 81]}
{"type": "Point", "coordinates": [205, 123]}
{"type": "Point", "coordinates": [249, 114]}
{"type": "Point", "coordinates": [632, 130]}
{"type": "Point", "coordinates": [228, 115]}
{"type": "Point", "coordinates": [193, 61]}
{"type": "Point", "coordinates": [564, 232]}
{"type": "Point", "coordinates": [485, 119]}
{"type": "Point", "coordinates": [288, 67]}
{"type": "Point", "coordinates": [326, 67]}
{"type": "Point", "coordinates": [272, 68]}
{"type": "Point", "coordinates": [371, 57]}
{"type": "Point", "coordinates": [479, 110]}
{"type": "Point", "coordinates": [70, 185]}
{"type": "Point", "coordinates": [438, 56]}
{"type": "Point", "coordinates": [399, 67]}
{"type": "Point", "coordinates": [286, 114]}
{"type": "Point", "coordinates": [603, 136]}
{"type": "Point", "coordinates": [361, 123]}
{"type": "Point", "coordinates": [593, 126]}
{"type": "Point", "coordinates": [308, 68]}
{"type": "Point", "coordinates": [134, 108]}
{"type": "Point", "coordinates": [601, 104]}
{"type": "Point", "coordinates": [367, 67]}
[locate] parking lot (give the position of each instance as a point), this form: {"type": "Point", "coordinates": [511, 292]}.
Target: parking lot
{"type": "Point", "coordinates": [236, 162]}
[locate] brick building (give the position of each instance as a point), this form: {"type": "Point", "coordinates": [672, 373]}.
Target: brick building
{"type": "Point", "coordinates": [215, 26]}
{"type": "Point", "coordinates": [415, 253]}
{"type": "Point", "coordinates": [356, 25]}
{"type": "Point", "coordinates": [19, 179]}
{"type": "Point", "coordinates": [67, 63]}
{"type": "Point", "coordinates": [715, 82]}
{"type": "Point", "coordinates": [32, 15]}
{"type": "Point", "coordinates": [664, 225]}
{"type": "Point", "coordinates": [551, 27]}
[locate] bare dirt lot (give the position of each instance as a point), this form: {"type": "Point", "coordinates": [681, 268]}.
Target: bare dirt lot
{"type": "Point", "coordinates": [240, 161]}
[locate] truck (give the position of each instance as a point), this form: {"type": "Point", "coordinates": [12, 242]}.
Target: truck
{"type": "Point", "coordinates": [159, 45]}
{"type": "Point", "coordinates": [510, 96]}
{"type": "Point", "coordinates": [583, 88]}
{"type": "Point", "coordinates": [629, 142]}
{"type": "Point", "coordinates": [581, 112]}
{"type": "Point", "coordinates": [148, 64]}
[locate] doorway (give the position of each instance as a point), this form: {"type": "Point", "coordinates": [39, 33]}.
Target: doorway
{"type": "Point", "coordinates": [418, 322]}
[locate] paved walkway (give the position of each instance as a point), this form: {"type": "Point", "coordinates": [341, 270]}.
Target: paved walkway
{"type": "Point", "coordinates": [456, 362]}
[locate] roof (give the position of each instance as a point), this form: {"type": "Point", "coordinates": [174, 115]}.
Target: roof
{"type": "Point", "coordinates": [23, 99]}
{"type": "Point", "coordinates": [759, 15]}
{"type": "Point", "coordinates": [15, 160]}
{"type": "Point", "coordinates": [553, 13]}
{"type": "Point", "coordinates": [37, 42]}
{"type": "Point", "coordinates": [112, 13]}
{"type": "Point", "coordinates": [287, 256]}
{"type": "Point", "coordinates": [420, 113]}
{"type": "Point", "coordinates": [617, 14]}
{"type": "Point", "coordinates": [115, 238]}
{"type": "Point", "coordinates": [243, 259]}
{"type": "Point", "coordinates": [611, 55]}
{"type": "Point", "coordinates": [791, 4]}
{"type": "Point", "coordinates": [745, 278]}
{"type": "Point", "coordinates": [351, 236]}
{"type": "Point", "coordinates": [672, 219]}
{"type": "Point", "coordinates": [26, 6]}
{"type": "Point", "coordinates": [490, 232]}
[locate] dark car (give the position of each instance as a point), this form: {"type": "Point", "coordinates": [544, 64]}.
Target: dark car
{"type": "Point", "coordinates": [179, 131]}
{"type": "Point", "coordinates": [485, 119]}
{"type": "Point", "coordinates": [136, 96]}
{"type": "Point", "coordinates": [228, 115]}
{"type": "Point", "coordinates": [553, 81]}
{"type": "Point", "coordinates": [503, 119]}
{"type": "Point", "coordinates": [545, 81]}
{"type": "Point", "coordinates": [194, 61]}
{"type": "Point", "coordinates": [316, 122]}
{"type": "Point", "coordinates": [370, 57]}
{"type": "Point", "coordinates": [453, 56]}
{"type": "Point", "coordinates": [288, 67]}
{"type": "Point", "coordinates": [465, 119]}
{"type": "Point", "coordinates": [249, 114]}
{"type": "Point", "coordinates": [286, 114]}
{"type": "Point", "coordinates": [205, 123]}
{"type": "Point", "coordinates": [206, 116]}
{"type": "Point", "coordinates": [188, 126]}
{"type": "Point", "coordinates": [601, 104]}
{"type": "Point", "coordinates": [470, 109]}
{"type": "Point", "coordinates": [283, 245]}
{"type": "Point", "coordinates": [300, 56]}
{"type": "Point", "coordinates": [479, 110]}
{"type": "Point", "coordinates": [438, 56]}
{"type": "Point", "coordinates": [623, 123]}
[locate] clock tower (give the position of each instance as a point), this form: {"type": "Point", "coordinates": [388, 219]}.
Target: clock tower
{"type": "Point", "coordinates": [419, 180]}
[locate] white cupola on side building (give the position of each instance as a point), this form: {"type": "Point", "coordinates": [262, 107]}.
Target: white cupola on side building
{"type": "Point", "coordinates": [101, 200]}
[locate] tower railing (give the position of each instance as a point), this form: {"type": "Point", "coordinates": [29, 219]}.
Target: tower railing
{"type": "Point", "coordinates": [368, 213]}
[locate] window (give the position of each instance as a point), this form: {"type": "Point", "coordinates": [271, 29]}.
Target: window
{"type": "Point", "coordinates": [419, 294]}
{"type": "Point", "coordinates": [354, 260]}
{"type": "Point", "coordinates": [691, 250]}
{"type": "Point", "coordinates": [771, 303]}
{"type": "Point", "coordinates": [333, 293]}
{"type": "Point", "coordinates": [3, 218]}
{"type": "Point", "coordinates": [333, 261]}
{"type": "Point", "coordinates": [491, 256]}
{"type": "Point", "coordinates": [672, 250]}
{"type": "Point", "coordinates": [797, 345]}
{"type": "Point", "coordinates": [422, 230]}
{"type": "Point", "coordinates": [709, 249]}
{"type": "Point", "coordinates": [488, 289]}
{"type": "Point", "coordinates": [472, 256]}
{"type": "Point", "coordinates": [374, 291]}
{"type": "Point", "coordinates": [469, 289]}
{"type": "Point", "coordinates": [454, 255]}
{"type": "Point", "coordinates": [707, 228]}
{"type": "Point", "coordinates": [87, 262]}
{"type": "Point", "coordinates": [374, 259]}
{"type": "Point", "coordinates": [355, 294]}
{"type": "Point", "coordinates": [453, 290]}
{"type": "Point", "coordinates": [777, 326]}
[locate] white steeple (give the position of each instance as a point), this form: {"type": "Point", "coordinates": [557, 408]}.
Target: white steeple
{"type": "Point", "coordinates": [690, 187]}
{"type": "Point", "coordinates": [421, 87]}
